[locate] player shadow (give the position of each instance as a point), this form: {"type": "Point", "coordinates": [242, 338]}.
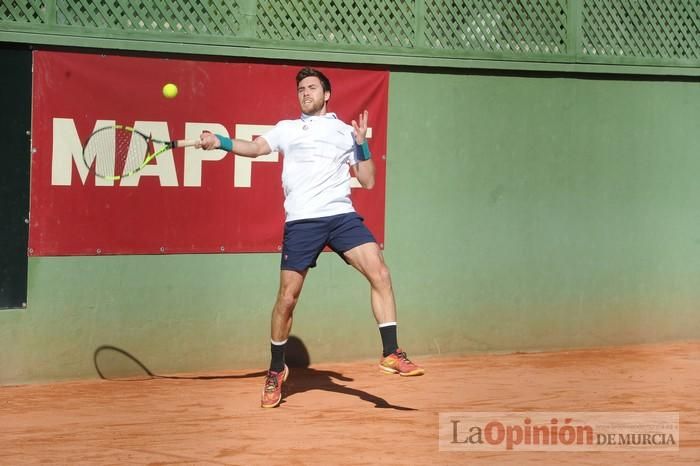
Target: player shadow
{"type": "Point", "coordinates": [116, 364]}
{"type": "Point", "coordinates": [304, 378]}
{"type": "Point", "coordinates": [135, 370]}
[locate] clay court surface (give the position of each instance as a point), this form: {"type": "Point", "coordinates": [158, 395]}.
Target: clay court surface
{"type": "Point", "coordinates": [346, 413]}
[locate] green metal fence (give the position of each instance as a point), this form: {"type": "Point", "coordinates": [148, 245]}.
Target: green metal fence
{"type": "Point", "coordinates": [523, 28]}
{"type": "Point", "coordinates": [662, 30]}
{"type": "Point", "coordinates": [664, 33]}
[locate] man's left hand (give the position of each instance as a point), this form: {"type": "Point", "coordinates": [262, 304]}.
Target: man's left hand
{"type": "Point", "coordinates": [361, 128]}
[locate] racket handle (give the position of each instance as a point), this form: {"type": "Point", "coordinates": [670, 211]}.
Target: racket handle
{"type": "Point", "coordinates": [185, 142]}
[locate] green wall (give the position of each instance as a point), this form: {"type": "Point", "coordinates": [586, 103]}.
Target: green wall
{"type": "Point", "coordinates": [523, 213]}
{"type": "Point", "coordinates": [545, 212]}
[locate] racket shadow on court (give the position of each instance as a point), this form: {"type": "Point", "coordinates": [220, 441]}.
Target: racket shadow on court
{"type": "Point", "coordinates": [116, 364]}
{"type": "Point", "coordinates": [304, 378]}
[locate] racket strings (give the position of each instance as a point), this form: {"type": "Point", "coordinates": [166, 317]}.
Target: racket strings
{"type": "Point", "coordinates": [115, 152]}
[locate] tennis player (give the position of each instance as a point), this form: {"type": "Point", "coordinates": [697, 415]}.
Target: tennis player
{"type": "Point", "coordinates": [319, 150]}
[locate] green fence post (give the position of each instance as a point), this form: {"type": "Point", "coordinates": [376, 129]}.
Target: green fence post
{"type": "Point", "coordinates": [419, 11]}
{"type": "Point", "coordinates": [574, 18]}
{"type": "Point", "coordinates": [50, 14]}
{"type": "Point", "coordinates": [248, 19]}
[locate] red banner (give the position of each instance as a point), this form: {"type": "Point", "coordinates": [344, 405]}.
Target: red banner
{"type": "Point", "coordinates": [189, 200]}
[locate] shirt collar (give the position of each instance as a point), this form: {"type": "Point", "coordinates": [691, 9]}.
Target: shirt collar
{"type": "Point", "coordinates": [330, 115]}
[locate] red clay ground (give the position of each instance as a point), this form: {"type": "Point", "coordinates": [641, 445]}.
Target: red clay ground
{"type": "Point", "coordinates": [347, 413]}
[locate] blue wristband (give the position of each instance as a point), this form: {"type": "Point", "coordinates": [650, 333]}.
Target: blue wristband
{"type": "Point", "coordinates": [362, 152]}
{"type": "Point", "coordinates": [225, 143]}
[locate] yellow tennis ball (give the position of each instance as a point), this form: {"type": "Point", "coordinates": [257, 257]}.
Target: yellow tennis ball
{"type": "Point", "coordinates": [170, 91]}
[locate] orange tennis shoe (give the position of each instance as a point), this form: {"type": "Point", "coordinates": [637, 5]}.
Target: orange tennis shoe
{"type": "Point", "coordinates": [398, 363]}
{"type": "Point", "coordinates": [272, 390]}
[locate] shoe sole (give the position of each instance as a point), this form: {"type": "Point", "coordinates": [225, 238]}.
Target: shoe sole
{"type": "Point", "coordinates": [389, 370]}
{"type": "Point", "coordinates": [284, 379]}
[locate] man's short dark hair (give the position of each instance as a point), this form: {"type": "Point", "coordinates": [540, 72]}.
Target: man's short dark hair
{"type": "Point", "coordinates": [306, 72]}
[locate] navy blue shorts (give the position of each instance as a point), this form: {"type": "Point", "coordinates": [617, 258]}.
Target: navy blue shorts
{"type": "Point", "coordinates": [305, 239]}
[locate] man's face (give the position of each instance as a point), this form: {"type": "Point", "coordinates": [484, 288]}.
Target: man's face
{"type": "Point", "coordinates": [312, 98]}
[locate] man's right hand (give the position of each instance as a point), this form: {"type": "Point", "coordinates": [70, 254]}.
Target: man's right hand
{"type": "Point", "coordinates": [208, 141]}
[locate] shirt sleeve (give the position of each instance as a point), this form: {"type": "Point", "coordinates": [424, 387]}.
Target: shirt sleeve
{"type": "Point", "coordinates": [353, 159]}
{"type": "Point", "coordinates": [274, 137]}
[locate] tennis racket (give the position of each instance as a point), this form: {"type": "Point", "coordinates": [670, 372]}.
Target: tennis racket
{"type": "Point", "coordinates": [119, 151]}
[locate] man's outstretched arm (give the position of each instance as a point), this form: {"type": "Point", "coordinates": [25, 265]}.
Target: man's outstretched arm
{"type": "Point", "coordinates": [211, 141]}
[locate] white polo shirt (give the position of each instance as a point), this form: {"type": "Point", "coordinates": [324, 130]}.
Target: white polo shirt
{"type": "Point", "coordinates": [318, 152]}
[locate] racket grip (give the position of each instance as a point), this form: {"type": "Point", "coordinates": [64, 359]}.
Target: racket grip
{"type": "Point", "coordinates": [185, 142]}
